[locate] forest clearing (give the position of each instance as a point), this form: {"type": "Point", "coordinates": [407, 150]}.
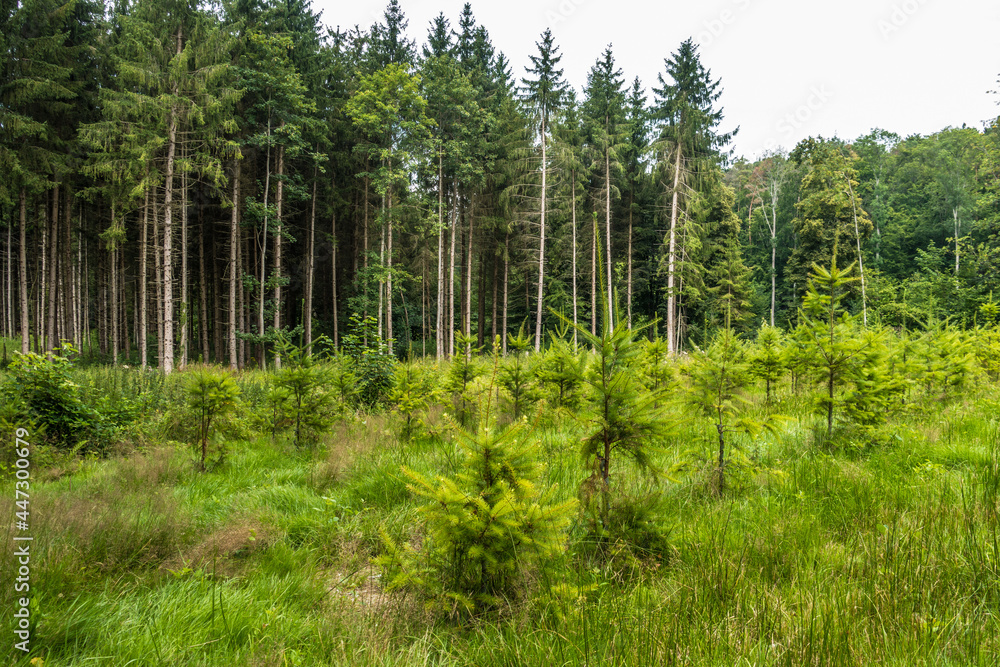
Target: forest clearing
{"type": "Point", "coordinates": [320, 346]}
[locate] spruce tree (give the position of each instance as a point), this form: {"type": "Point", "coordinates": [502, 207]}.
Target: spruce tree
{"type": "Point", "coordinates": [543, 93]}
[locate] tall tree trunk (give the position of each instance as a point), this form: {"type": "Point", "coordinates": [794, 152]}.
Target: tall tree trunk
{"type": "Point", "coordinates": [234, 271]}
{"type": "Point", "coordinates": [439, 322]}
{"type": "Point", "coordinates": [388, 265]}
{"type": "Point", "coordinates": [607, 230]}
{"type": "Point", "coordinates": [22, 269]}
{"type": "Point", "coordinates": [506, 277]}
{"type": "Point", "coordinates": [69, 305]}
{"type": "Point", "coordinates": [541, 249]}
{"type": "Point", "coordinates": [52, 277]}
{"type": "Point", "coordinates": [594, 315]}
{"type": "Point", "coordinates": [333, 273]}
{"type": "Point", "coordinates": [262, 360]}
{"type": "Point", "coordinates": [203, 288]}
{"type": "Point", "coordinates": [185, 318]}
{"type": "Point", "coordinates": [143, 282]}
{"type": "Point", "coordinates": [310, 263]}
{"type": "Point", "coordinates": [958, 232]}
{"type": "Point", "coordinates": [628, 298]}
{"type": "Point", "coordinates": [168, 235]}
{"type": "Point", "coordinates": [158, 269]}
{"type": "Point", "coordinates": [451, 272]}
{"type": "Point", "coordinates": [278, 230]}
{"type": "Point", "coordinates": [470, 213]}
{"type": "Point", "coordinates": [672, 259]}
{"type": "Point", "coordinates": [573, 223]}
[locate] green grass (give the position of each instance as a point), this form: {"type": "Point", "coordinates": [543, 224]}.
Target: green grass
{"type": "Point", "coordinates": [876, 549]}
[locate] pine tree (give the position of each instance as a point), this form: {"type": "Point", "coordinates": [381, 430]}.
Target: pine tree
{"type": "Point", "coordinates": [605, 128]}
{"type": "Point", "coordinates": [689, 147]}
{"type": "Point", "coordinates": [544, 94]}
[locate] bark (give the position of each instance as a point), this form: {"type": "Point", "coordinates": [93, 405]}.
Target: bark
{"type": "Point", "coordinates": [262, 360]}
{"type": "Point", "coordinates": [628, 298]}
{"type": "Point", "coordinates": [672, 337]}
{"type": "Point", "coordinates": [506, 285]}
{"type": "Point", "coordinates": [439, 322]}
{"type": "Point", "coordinates": [168, 234]}
{"type": "Point", "coordinates": [185, 318]}
{"type": "Point", "coordinates": [203, 295]}
{"type": "Point", "coordinates": [277, 245]}
{"type": "Point", "coordinates": [573, 223]}
{"type": "Point", "coordinates": [541, 250]}
{"type": "Point", "coordinates": [388, 265]}
{"type": "Point", "coordinates": [69, 285]}
{"type": "Point", "coordinates": [234, 272]}
{"type": "Point", "coordinates": [52, 278]}
{"type": "Point", "coordinates": [861, 266]}
{"type": "Point", "coordinates": [158, 270]}
{"type": "Point", "coordinates": [143, 282]}
{"type": "Point", "coordinates": [310, 264]}
{"type": "Point", "coordinates": [451, 273]}
{"type": "Point", "coordinates": [470, 212]}
{"type": "Point", "coordinates": [333, 274]}
{"type": "Point", "coordinates": [607, 229]}
{"type": "Point", "coordinates": [22, 269]}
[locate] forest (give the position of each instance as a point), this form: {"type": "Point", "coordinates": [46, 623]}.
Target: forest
{"type": "Point", "coordinates": [190, 183]}
{"type": "Point", "coordinates": [325, 346]}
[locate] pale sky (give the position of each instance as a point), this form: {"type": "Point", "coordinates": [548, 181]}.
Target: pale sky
{"type": "Point", "coordinates": [789, 70]}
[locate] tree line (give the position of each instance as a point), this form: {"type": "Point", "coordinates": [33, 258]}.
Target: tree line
{"type": "Point", "coordinates": [194, 181]}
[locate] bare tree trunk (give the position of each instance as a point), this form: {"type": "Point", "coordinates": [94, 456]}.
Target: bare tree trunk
{"type": "Point", "coordinates": [541, 249]}
{"type": "Point", "coordinates": [451, 273]}
{"type": "Point", "coordinates": [958, 232]}
{"type": "Point", "coordinates": [467, 328]}
{"type": "Point", "coordinates": [861, 266]}
{"type": "Point", "coordinates": [143, 282]}
{"type": "Point", "coordinates": [10, 280]}
{"type": "Point", "coordinates": [310, 263]}
{"type": "Point", "coordinates": [628, 298]}
{"type": "Point", "coordinates": [185, 319]}
{"type": "Point", "coordinates": [333, 274]}
{"type": "Point", "coordinates": [203, 289]}
{"type": "Point", "coordinates": [593, 279]}
{"type": "Point", "coordinates": [277, 245]}
{"type": "Point", "coordinates": [672, 259]}
{"type": "Point", "coordinates": [506, 284]}
{"type": "Point", "coordinates": [388, 265]}
{"type": "Point", "coordinates": [22, 270]}
{"type": "Point", "coordinates": [607, 230]}
{"type": "Point", "coordinates": [168, 238]}
{"type": "Point", "coordinates": [439, 322]}
{"type": "Point", "coordinates": [158, 269]}
{"type": "Point", "coordinates": [69, 305]}
{"type": "Point", "coordinates": [234, 270]}
{"type": "Point", "coordinates": [261, 362]}
{"type": "Point", "coordinates": [52, 276]}
{"type": "Point", "coordinates": [573, 223]}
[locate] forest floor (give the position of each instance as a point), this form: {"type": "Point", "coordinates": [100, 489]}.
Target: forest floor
{"type": "Point", "coordinates": [876, 550]}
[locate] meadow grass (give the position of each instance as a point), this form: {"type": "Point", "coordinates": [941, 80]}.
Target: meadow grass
{"type": "Point", "coordinates": [881, 548]}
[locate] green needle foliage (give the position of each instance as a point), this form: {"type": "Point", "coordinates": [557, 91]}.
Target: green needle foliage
{"type": "Point", "coordinates": [486, 528]}
{"type": "Point", "coordinates": [623, 417]}
{"type": "Point", "coordinates": [411, 396]}
{"type": "Point", "coordinates": [826, 336]}
{"type": "Point", "coordinates": [720, 375]}
{"type": "Point", "coordinates": [515, 372]}
{"type": "Point", "coordinates": [767, 361]}
{"type": "Point", "coordinates": [301, 391]}
{"type": "Point", "coordinates": [464, 369]}
{"type": "Point", "coordinates": [210, 396]}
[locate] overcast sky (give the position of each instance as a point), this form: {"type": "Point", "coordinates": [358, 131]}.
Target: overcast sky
{"type": "Point", "coordinates": [789, 69]}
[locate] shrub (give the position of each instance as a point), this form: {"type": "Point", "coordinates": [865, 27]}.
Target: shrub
{"type": "Point", "coordinates": [211, 395]}
{"type": "Point", "coordinates": [43, 388]}
{"type": "Point", "coordinates": [486, 527]}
